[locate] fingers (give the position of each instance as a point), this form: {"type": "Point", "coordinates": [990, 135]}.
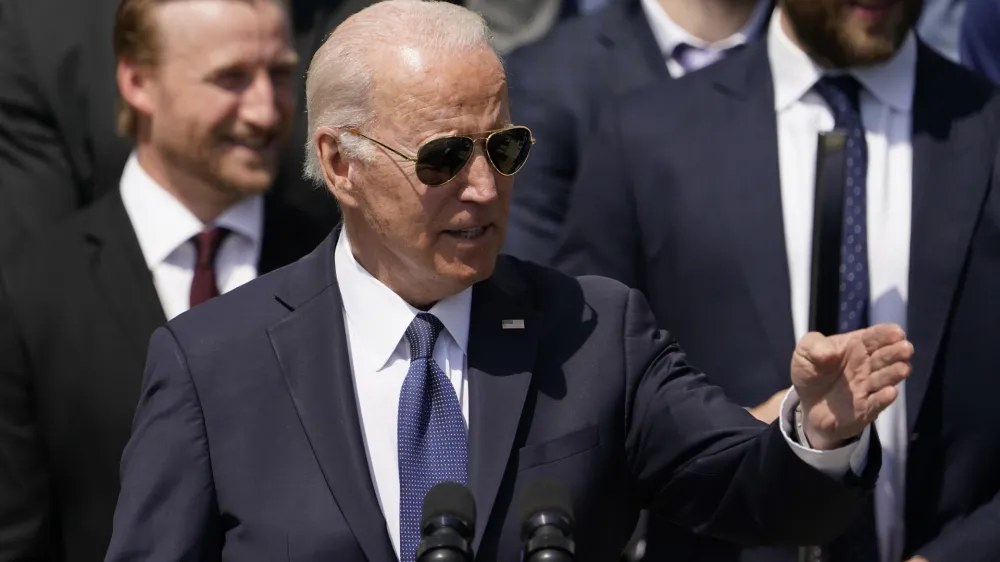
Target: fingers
{"type": "Point", "coordinates": [818, 349]}
{"type": "Point", "coordinates": [887, 377]}
{"type": "Point", "coordinates": [899, 352]}
{"type": "Point", "coordinates": [878, 402]}
{"type": "Point", "coordinates": [881, 335]}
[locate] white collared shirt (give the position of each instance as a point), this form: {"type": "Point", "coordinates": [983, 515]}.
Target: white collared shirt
{"type": "Point", "coordinates": [376, 319]}
{"type": "Point", "coordinates": [165, 227]}
{"type": "Point", "coordinates": [886, 103]}
{"type": "Point", "coordinates": [669, 35]}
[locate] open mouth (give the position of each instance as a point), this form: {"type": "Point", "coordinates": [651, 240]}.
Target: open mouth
{"type": "Point", "coordinates": [468, 233]}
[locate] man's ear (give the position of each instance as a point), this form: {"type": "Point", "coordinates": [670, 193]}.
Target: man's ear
{"type": "Point", "coordinates": [336, 166]}
{"type": "Point", "coordinates": [135, 82]}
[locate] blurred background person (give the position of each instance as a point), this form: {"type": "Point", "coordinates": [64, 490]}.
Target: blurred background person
{"type": "Point", "coordinates": [699, 192]}
{"type": "Point", "coordinates": [980, 39]}
{"type": "Point", "coordinates": [59, 149]}
{"type": "Point", "coordinates": [208, 97]}
{"type": "Point", "coordinates": [558, 83]}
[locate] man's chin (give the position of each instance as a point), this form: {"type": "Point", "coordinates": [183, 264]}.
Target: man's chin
{"type": "Point", "coordinates": [249, 182]}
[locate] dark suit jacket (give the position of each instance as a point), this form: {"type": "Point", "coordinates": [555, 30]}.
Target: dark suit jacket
{"type": "Point", "coordinates": [76, 315]}
{"type": "Point", "coordinates": [59, 150]}
{"type": "Point", "coordinates": [247, 443]}
{"type": "Point", "coordinates": [979, 40]}
{"type": "Point", "coordinates": [556, 86]}
{"type": "Point", "coordinates": [681, 199]}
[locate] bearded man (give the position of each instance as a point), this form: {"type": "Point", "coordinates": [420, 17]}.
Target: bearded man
{"type": "Point", "coordinates": [706, 203]}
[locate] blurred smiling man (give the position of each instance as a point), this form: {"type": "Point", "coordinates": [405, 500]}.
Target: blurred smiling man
{"type": "Point", "coordinates": [207, 99]}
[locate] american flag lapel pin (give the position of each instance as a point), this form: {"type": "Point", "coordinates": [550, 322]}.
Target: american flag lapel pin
{"type": "Point", "coordinates": [515, 324]}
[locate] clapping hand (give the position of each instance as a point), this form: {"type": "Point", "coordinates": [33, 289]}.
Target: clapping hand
{"type": "Point", "coordinates": [844, 381]}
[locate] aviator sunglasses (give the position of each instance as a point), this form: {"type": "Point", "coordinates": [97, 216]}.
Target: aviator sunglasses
{"type": "Point", "coordinates": [439, 161]}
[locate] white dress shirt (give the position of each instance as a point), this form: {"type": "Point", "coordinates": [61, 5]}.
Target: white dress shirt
{"type": "Point", "coordinates": [165, 228]}
{"type": "Point", "coordinates": [376, 319]}
{"type": "Point", "coordinates": [886, 102]}
{"type": "Point", "coordinates": [669, 35]}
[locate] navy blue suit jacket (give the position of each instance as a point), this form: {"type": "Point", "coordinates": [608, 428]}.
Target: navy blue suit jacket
{"type": "Point", "coordinates": [979, 40]}
{"type": "Point", "coordinates": [247, 443]}
{"type": "Point", "coordinates": [556, 87]}
{"type": "Point", "coordinates": [680, 197]}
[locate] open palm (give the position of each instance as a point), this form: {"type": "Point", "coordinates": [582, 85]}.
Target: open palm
{"type": "Point", "coordinates": [845, 381]}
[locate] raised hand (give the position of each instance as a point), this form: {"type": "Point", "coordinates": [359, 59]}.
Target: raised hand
{"type": "Point", "coordinates": [845, 381]}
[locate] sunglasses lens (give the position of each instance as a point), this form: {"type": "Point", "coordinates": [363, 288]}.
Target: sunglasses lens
{"type": "Point", "coordinates": [440, 160]}
{"type": "Point", "coordinates": [509, 149]}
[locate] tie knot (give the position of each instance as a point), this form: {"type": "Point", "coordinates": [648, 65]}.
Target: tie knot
{"type": "Point", "coordinates": [842, 93]}
{"type": "Point", "coordinates": [422, 335]}
{"type": "Point", "coordinates": [207, 243]}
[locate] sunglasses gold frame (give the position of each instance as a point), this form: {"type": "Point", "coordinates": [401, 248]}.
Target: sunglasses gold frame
{"type": "Point", "coordinates": [484, 136]}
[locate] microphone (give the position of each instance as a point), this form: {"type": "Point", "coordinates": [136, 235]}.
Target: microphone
{"type": "Point", "coordinates": [447, 524]}
{"type": "Point", "coordinates": [547, 523]}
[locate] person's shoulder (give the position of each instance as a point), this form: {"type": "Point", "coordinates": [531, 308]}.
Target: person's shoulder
{"type": "Point", "coordinates": [574, 35]}
{"type": "Point", "coordinates": [54, 256]}
{"type": "Point", "coordinates": [555, 293]}
{"type": "Point", "coordinates": [243, 314]}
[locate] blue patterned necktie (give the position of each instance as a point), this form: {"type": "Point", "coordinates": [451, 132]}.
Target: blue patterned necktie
{"type": "Point", "coordinates": [860, 542]}
{"type": "Point", "coordinates": [841, 94]}
{"type": "Point", "coordinates": [432, 434]}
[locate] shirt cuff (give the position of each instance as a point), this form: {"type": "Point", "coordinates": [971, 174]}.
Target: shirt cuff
{"type": "Point", "coordinates": [834, 463]}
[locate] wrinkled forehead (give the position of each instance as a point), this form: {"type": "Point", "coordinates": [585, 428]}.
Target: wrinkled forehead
{"type": "Point", "coordinates": [425, 91]}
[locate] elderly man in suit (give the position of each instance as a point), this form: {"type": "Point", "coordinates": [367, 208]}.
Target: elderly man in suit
{"type": "Point", "coordinates": [701, 194]}
{"type": "Point", "coordinates": [209, 102]}
{"type": "Point", "coordinates": [305, 415]}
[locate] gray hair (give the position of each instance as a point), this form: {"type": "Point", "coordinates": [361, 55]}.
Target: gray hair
{"type": "Point", "coordinates": [340, 81]}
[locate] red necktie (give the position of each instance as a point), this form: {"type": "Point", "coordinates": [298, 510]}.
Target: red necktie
{"type": "Point", "coordinates": [204, 285]}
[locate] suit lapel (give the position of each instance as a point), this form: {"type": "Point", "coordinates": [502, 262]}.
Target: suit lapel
{"type": "Point", "coordinates": [634, 58]}
{"type": "Point", "coordinates": [951, 166]}
{"type": "Point", "coordinates": [752, 187]}
{"type": "Point", "coordinates": [311, 347]}
{"type": "Point", "coordinates": [120, 270]}
{"type": "Point", "coordinates": [499, 368]}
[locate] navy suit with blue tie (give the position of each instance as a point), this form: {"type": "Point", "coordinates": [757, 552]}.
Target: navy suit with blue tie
{"type": "Point", "coordinates": [681, 198]}
{"type": "Point", "coordinates": [248, 446]}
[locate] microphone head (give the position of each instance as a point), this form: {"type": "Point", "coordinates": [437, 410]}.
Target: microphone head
{"type": "Point", "coordinates": [448, 503]}
{"type": "Point", "coordinates": [546, 502]}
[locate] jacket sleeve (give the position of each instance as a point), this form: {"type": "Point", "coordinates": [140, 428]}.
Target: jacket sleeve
{"type": "Point", "coordinates": [706, 464]}
{"type": "Point", "coordinates": [166, 508]}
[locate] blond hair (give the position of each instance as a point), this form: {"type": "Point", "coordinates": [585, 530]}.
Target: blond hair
{"type": "Point", "coordinates": [137, 41]}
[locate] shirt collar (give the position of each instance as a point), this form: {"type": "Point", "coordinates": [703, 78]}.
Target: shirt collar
{"type": "Point", "coordinates": [379, 317]}
{"type": "Point", "coordinates": [669, 35]}
{"type": "Point", "coordinates": [162, 223]}
{"type": "Point", "coordinates": [795, 74]}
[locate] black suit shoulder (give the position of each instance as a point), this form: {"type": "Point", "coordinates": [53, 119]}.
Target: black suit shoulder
{"type": "Point", "coordinates": [51, 260]}
{"type": "Point", "coordinates": [568, 48]}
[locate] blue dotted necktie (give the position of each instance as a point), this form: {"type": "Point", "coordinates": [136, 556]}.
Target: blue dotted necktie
{"type": "Point", "coordinates": [841, 94]}
{"type": "Point", "coordinates": [432, 434]}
